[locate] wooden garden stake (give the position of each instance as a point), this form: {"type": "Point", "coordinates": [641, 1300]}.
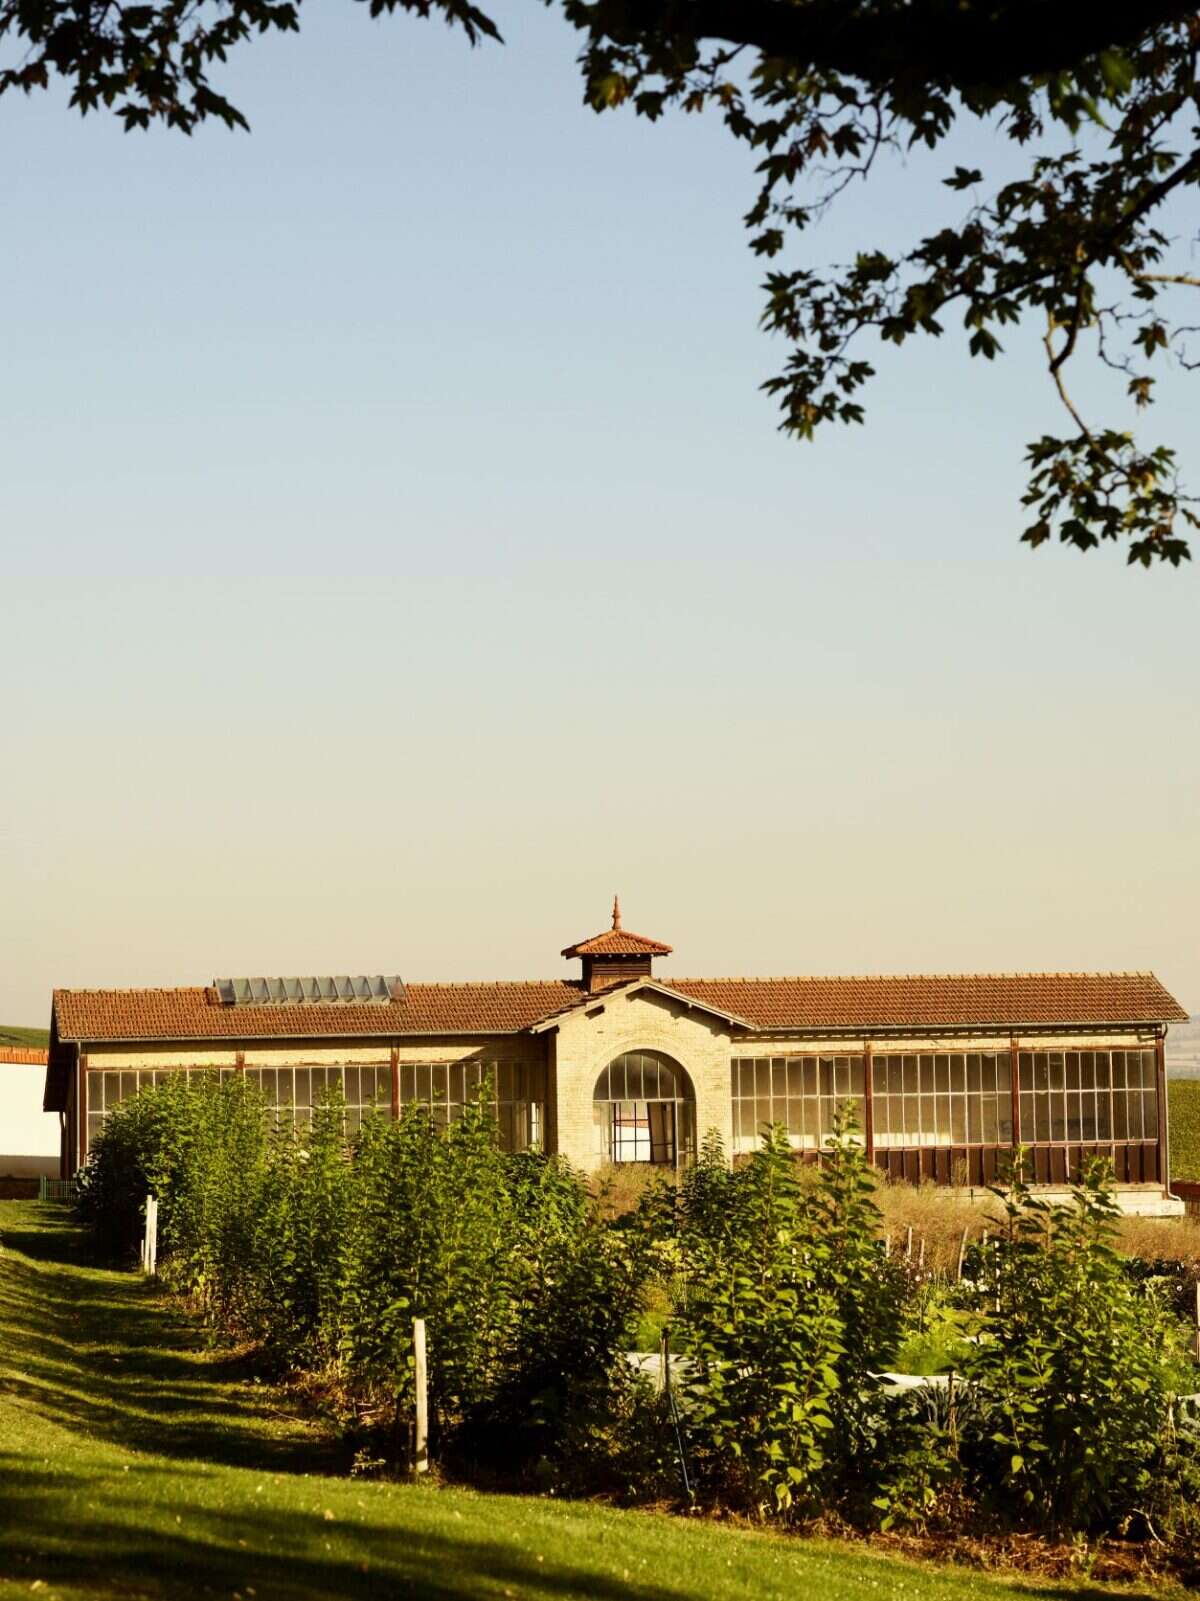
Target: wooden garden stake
{"type": "Point", "coordinates": [921, 1254]}
{"type": "Point", "coordinates": [150, 1237]}
{"type": "Point", "coordinates": [1198, 1320]}
{"type": "Point", "coordinates": [950, 1414]}
{"type": "Point", "coordinates": [962, 1251]}
{"type": "Point", "coordinates": [908, 1245]}
{"type": "Point", "coordinates": [421, 1379]}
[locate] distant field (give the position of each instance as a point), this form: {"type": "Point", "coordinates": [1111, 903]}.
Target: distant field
{"type": "Point", "coordinates": [36, 1038]}
{"type": "Point", "coordinates": [1184, 1102]}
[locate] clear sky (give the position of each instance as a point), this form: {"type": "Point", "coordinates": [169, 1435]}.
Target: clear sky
{"type": "Point", "coordinates": [398, 558]}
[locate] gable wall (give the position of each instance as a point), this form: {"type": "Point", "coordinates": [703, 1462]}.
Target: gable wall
{"type": "Point", "coordinates": [588, 1040]}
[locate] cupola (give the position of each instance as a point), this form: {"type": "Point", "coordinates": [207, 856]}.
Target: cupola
{"type": "Point", "coordinates": [616, 956]}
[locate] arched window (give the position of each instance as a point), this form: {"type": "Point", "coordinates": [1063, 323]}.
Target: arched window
{"type": "Point", "coordinates": [644, 1110]}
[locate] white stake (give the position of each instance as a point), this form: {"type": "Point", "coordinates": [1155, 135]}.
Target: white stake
{"type": "Point", "coordinates": [421, 1377]}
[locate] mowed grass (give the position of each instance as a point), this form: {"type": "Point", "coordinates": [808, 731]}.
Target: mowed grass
{"type": "Point", "coordinates": [134, 1462]}
{"type": "Point", "coordinates": [1183, 1101]}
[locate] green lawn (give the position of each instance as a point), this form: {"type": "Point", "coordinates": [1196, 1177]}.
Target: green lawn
{"type": "Point", "coordinates": [1183, 1099]}
{"type": "Point", "coordinates": [36, 1038]}
{"type": "Point", "coordinates": [135, 1463]}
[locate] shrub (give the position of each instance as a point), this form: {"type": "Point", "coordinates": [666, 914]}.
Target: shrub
{"type": "Point", "coordinates": [1073, 1370]}
{"type": "Point", "coordinates": [430, 1234]}
{"type": "Point", "coordinates": [763, 1336]}
{"type": "Point", "coordinates": [296, 1285]}
{"type": "Point", "coordinates": [567, 1405]}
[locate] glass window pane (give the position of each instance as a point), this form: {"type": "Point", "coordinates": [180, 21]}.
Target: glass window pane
{"type": "Point", "coordinates": [974, 1073]}
{"type": "Point", "coordinates": [762, 1077]}
{"type": "Point", "coordinates": [958, 1119]}
{"type": "Point", "coordinates": [1058, 1115]}
{"type": "Point", "coordinates": [1087, 1115]}
{"type": "Point", "coordinates": [1025, 1069]}
{"type": "Point", "coordinates": [910, 1074]}
{"type": "Point", "coordinates": [762, 1112]}
{"type": "Point", "coordinates": [912, 1118]}
{"type": "Point", "coordinates": [1149, 1069]}
{"type": "Point", "coordinates": [942, 1114]}
{"type": "Point", "coordinates": [858, 1074]}
{"type": "Point", "coordinates": [779, 1077]}
{"type": "Point", "coordinates": [408, 1083]}
{"type": "Point", "coordinates": [1028, 1124]}
{"type": "Point", "coordinates": [1072, 1070]}
{"type": "Point", "coordinates": [882, 1117]}
{"type": "Point", "coordinates": [989, 1133]}
{"type": "Point", "coordinates": [958, 1073]}
{"type": "Point", "coordinates": [1120, 1104]}
{"type": "Point", "coordinates": [1003, 1064]}
{"type": "Point", "coordinates": [795, 1077]}
{"type": "Point", "coordinates": [941, 1074]}
{"type": "Point", "coordinates": [1118, 1068]}
{"type": "Point", "coordinates": [926, 1074]}
{"type": "Point", "coordinates": [1104, 1115]}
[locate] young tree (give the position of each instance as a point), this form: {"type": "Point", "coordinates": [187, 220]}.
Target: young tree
{"type": "Point", "coordinates": [1101, 100]}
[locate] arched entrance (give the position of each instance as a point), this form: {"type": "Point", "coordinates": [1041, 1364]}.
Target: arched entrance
{"type": "Point", "coordinates": [644, 1109]}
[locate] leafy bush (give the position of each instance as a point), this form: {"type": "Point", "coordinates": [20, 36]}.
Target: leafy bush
{"type": "Point", "coordinates": [325, 1255]}
{"type": "Point", "coordinates": [789, 1311]}
{"type": "Point", "coordinates": [782, 1300]}
{"type": "Point", "coordinates": [1073, 1370]}
{"type": "Point", "coordinates": [763, 1337]}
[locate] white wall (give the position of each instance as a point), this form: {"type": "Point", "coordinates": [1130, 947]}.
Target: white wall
{"type": "Point", "coordinates": [25, 1130]}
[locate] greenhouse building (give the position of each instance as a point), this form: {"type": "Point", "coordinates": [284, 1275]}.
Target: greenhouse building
{"type": "Point", "coordinates": [619, 1063]}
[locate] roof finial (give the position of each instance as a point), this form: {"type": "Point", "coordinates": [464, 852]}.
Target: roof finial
{"type": "Point", "coordinates": [616, 911]}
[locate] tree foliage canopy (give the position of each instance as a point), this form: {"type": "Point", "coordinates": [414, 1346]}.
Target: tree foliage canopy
{"type": "Point", "coordinates": [1099, 98]}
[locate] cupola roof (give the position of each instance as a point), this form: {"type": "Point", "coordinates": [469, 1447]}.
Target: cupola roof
{"type": "Point", "coordinates": [618, 941]}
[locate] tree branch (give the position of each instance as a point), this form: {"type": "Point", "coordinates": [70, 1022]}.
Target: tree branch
{"type": "Point", "coordinates": [968, 43]}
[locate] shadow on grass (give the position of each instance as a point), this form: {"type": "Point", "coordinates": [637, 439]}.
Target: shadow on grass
{"type": "Point", "coordinates": [101, 1351]}
{"type": "Point", "coordinates": [214, 1550]}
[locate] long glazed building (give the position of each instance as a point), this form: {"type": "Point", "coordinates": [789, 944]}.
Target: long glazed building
{"type": "Point", "coordinates": [948, 1072]}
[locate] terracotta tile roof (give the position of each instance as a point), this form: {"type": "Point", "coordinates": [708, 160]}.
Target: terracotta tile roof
{"type": "Point", "coordinates": [950, 1000]}
{"type": "Point", "coordinates": [23, 1055]}
{"type": "Point", "coordinates": [618, 942]}
{"type": "Point", "coordinates": [196, 1014]}
{"type": "Point", "coordinates": [939, 1000]}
